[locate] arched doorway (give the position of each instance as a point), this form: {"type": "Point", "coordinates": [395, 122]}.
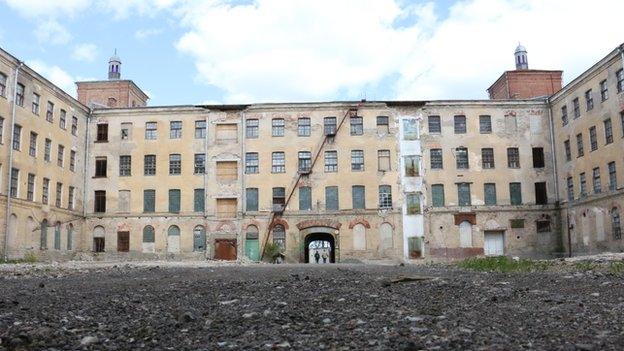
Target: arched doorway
{"type": "Point", "coordinates": [252, 245]}
{"type": "Point", "coordinates": [173, 239]}
{"type": "Point", "coordinates": [324, 243]}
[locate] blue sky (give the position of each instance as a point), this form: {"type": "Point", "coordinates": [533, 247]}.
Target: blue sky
{"type": "Point", "coordinates": [214, 51]}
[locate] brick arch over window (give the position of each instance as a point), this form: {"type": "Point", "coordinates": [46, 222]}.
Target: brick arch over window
{"type": "Point", "coordinates": [382, 223]}
{"type": "Point", "coordinates": [319, 223]}
{"type": "Point", "coordinates": [280, 221]}
{"type": "Point", "coordinates": [361, 221]}
{"type": "Point", "coordinates": [252, 223]}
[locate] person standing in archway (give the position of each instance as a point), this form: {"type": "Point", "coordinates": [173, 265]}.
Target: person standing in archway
{"type": "Point", "coordinates": [317, 256]}
{"type": "Point", "coordinates": [324, 257]}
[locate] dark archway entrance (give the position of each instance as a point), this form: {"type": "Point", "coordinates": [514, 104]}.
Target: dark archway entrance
{"type": "Point", "coordinates": [320, 241]}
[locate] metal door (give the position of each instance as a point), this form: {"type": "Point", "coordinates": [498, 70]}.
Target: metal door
{"type": "Point", "coordinates": [252, 249]}
{"type": "Point", "coordinates": [225, 249]}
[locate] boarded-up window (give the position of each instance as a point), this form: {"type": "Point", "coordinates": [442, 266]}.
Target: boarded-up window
{"type": "Point", "coordinates": [541, 197]}
{"type": "Point", "coordinates": [148, 234]}
{"type": "Point", "coordinates": [383, 160]}
{"type": "Point", "coordinates": [463, 194]}
{"type": "Point", "coordinates": [385, 236]}
{"type": "Point", "coordinates": [305, 198]}
{"type": "Point", "coordinates": [413, 202]}
{"type": "Point", "coordinates": [174, 200]}
{"type": "Point", "coordinates": [227, 171]}
{"type": "Point", "coordinates": [489, 190]}
{"type": "Point", "coordinates": [382, 125]}
{"type": "Point", "coordinates": [412, 165]}
{"type": "Point", "coordinates": [251, 197]}
{"type": "Point", "coordinates": [358, 197]}
{"type": "Point", "coordinates": [359, 237]}
{"type": "Point", "coordinates": [226, 208]}
{"type": "Point", "coordinates": [227, 132]}
{"type": "Point", "coordinates": [543, 226]}
{"type": "Point", "coordinates": [437, 195]}
{"type": "Point", "coordinates": [149, 200]}
{"type": "Point", "coordinates": [126, 131]}
{"type": "Point", "coordinates": [279, 198]}
{"type": "Point", "coordinates": [331, 198]}
{"type": "Point", "coordinates": [198, 200]}
{"type": "Point", "coordinates": [123, 241]}
{"type": "Point", "coordinates": [124, 201]}
{"type": "Point", "coordinates": [511, 125]}
{"type": "Point", "coordinates": [515, 193]}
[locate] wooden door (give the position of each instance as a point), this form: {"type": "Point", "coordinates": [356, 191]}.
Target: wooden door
{"type": "Point", "coordinates": [123, 241]}
{"type": "Point", "coordinates": [225, 249]}
{"type": "Point", "coordinates": [494, 243]}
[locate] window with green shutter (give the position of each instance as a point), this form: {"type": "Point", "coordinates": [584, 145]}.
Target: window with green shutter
{"type": "Point", "coordinates": [413, 203]}
{"type": "Point", "coordinates": [148, 234]}
{"type": "Point", "coordinates": [358, 197]}
{"type": "Point", "coordinates": [149, 200]}
{"type": "Point", "coordinates": [515, 193]}
{"type": "Point", "coordinates": [490, 193]}
{"type": "Point", "coordinates": [174, 200]}
{"type": "Point", "coordinates": [305, 198]}
{"type": "Point", "coordinates": [198, 200]}
{"type": "Point", "coordinates": [437, 195]}
{"type": "Point", "coordinates": [331, 198]}
{"type": "Point", "coordinates": [463, 194]}
{"type": "Point", "coordinates": [251, 196]}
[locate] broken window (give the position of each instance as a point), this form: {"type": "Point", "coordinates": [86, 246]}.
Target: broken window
{"type": "Point", "coordinates": [541, 197]}
{"type": "Point", "coordinates": [149, 165]}
{"type": "Point", "coordinates": [32, 150]}
{"type": "Point", "coordinates": [435, 156]}
{"type": "Point", "coordinates": [485, 124]}
{"type": "Point", "coordinates": [413, 203]}
{"type": "Point", "coordinates": [577, 108]}
{"type": "Point", "coordinates": [100, 167]}
{"type": "Point", "coordinates": [123, 204]}
{"type": "Point", "coordinates": [385, 197]}
{"type": "Point", "coordinates": [278, 162]}
{"type": "Point", "coordinates": [279, 236]}
{"type": "Point", "coordinates": [305, 161]}
{"type": "Point", "coordinates": [382, 125]}
{"type": "Point", "coordinates": [383, 160]}
{"type": "Point", "coordinates": [538, 157]}
{"type": "Point", "coordinates": [17, 135]}
{"type": "Point", "coordinates": [564, 115]}
{"type": "Point", "coordinates": [126, 130]}
{"type": "Point", "coordinates": [74, 128]}
{"type": "Point", "coordinates": [358, 197]}
{"type": "Point", "coordinates": [589, 99]}
{"type": "Point", "coordinates": [59, 194]}
{"type": "Point", "coordinates": [72, 160]}
{"type": "Point", "coordinates": [200, 129]}
{"type": "Point", "coordinates": [608, 130]}
{"type": "Point", "coordinates": [175, 129]}
{"type": "Point", "coordinates": [251, 128]}
{"type": "Point", "coordinates": [99, 202]}
{"type": "Point", "coordinates": [331, 161]}
{"type": "Point", "coordinates": [19, 94]}
{"type": "Point", "coordinates": [583, 184]}
{"type": "Point", "coordinates": [329, 125]}
{"type": "Point", "coordinates": [460, 124]}
{"type": "Point", "coordinates": [305, 198]}
{"type": "Point", "coordinates": [568, 153]}
{"type": "Point", "coordinates": [50, 116]}
{"type": "Point", "coordinates": [175, 164]}
{"type": "Point", "coordinates": [593, 139]}
{"type": "Point", "coordinates": [251, 199]}
{"type": "Point", "coordinates": [515, 193]}
{"type": "Point", "coordinates": [174, 200]}
{"type": "Point", "coordinates": [616, 227]}
{"type": "Point", "coordinates": [199, 200]}
{"type": "Point", "coordinates": [412, 165]}
{"type": "Point", "coordinates": [279, 199]}
{"type": "Point", "coordinates": [303, 126]}
{"type": "Point", "coordinates": [604, 92]}
{"type": "Point", "coordinates": [47, 150]}
{"type": "Point", "coordinates": [543, 226]}
{"type": "Point", "coordinates": [487, 158]}
{"type": "Point", "coordinates": [62, 118]}
{"type": "Point", "coordinates": [251, 163]}
{"type": "Point", "coordinates": [579, 145]}
{"type": "Point", "coordinates": [30, 192]}
{"type": "Point", "coordinates": [463, 194]}
{"type": "Point", "coordinates": [437, 195]}
{"type": "Point", "coordinates": [227, 171]}
{"type": "Point", "coordinates": [226, 132]}
{"type": "Point", "coordinates": [331, 198]}
{"type": "Point", "coordinates": [45, 190]}
{"type": "Point", "coordinates": [513, 157]}
{"type": "Point", "coordinates": [410, 129]}
{"type": "Point", "coordinates": [151, 131]}
{"type": "Point", "coordinates": [461, 158]}
{"type": "Point", "coordinates": [612, 176]}
{"type": "Point", "coordinates": [102, 133]}
{"type": "Point", "coordinates": [277, 127]}
{"type": "Point", "coordinates": [435, 126]}
{"type": "Point", "coordinates": [357, 160]}
{"type": "Point", "coordinates": [125, 165]}
{"type": "Point", "coordinates": [357, 125]}
{"type": "Point", "coordinates": [149, 200]}
{"type": "Point", "coordinates": [489, 191]}
{"type": "Point", "coordinates": [570, 189]}
{"type": "Point", "coordinates": [61, 155]}
{"type": "Point", "coordinates": [596, 179]}
{"type": "Point", "coordinates": [98, 239]}
{"type": "Point", "coordinates": [199, 164]}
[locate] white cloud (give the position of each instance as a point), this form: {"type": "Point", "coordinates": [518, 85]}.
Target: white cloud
{"type": "Point", "coordinates": [48, 8]}
{"type": "Point", "coordinates": [85, 52]}
{"type": "Point", "coordinates": [52, 32]}
{"type": "Point", "coordinates": [55, 75]}
{"type": "Point", "coordinates": [122, 9]}
{"type": "Point", "coordinates": [142, 34]}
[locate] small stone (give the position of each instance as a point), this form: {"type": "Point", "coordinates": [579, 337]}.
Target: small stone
{"type": "Point", "coordinates": [326, 321]}
{"type": "Point", "coordinates": [250, 315]}
{"type": "Point", "coordinates": [229, 302]}
{"type": "Point", "coordinates": [595, 294]}
{"type": "Point", "coordinates": [414, 319]}
{"type": "Point", "coordinates": [89, 340]}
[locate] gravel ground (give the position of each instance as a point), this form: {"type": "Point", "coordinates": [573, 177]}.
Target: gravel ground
{"type": "Point", "coordinates": [333, 307]}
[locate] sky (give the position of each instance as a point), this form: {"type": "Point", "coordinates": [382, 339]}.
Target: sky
{"type": "Point", "coordinates": [184, 52]}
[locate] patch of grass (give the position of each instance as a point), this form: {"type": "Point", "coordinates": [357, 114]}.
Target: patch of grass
{"type": "Point", "coordinates": [616, 267]}
{"type": "Point", "coordinates": [29, 257]}
{"type": "Point", "coordinates": [504, 264]}
{"type": "Point", "coordinates": [586, 266]}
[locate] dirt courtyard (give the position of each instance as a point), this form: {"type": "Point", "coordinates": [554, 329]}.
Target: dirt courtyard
{"type": "Point", "coordinates": [313, 307]}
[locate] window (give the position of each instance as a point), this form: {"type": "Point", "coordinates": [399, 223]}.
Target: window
{"type": "Point", "coordinates": [62, 119]}
{"type": "Point", "coordinates": [30, 191]}
{"type": "Point", "coordinates": [413, 203]}
{"type": "Point", "coordinates": [74, 128]}
{"type": "Point", "coordinates": [59, 193]}
{"type": "Point", "coordinates": [435, 126]}
{"type": "Point", "coordinates": [331, 198]}
{"type": "Point", "coordinates": [32, 150]}
{"type": "Point", "coordinates": [385, 197]}
{"type": "Point", "coordinates": [621, 122]}
{"type": "Point", "coordinates": [412, 165]}
{"type": "Point", "coordinates": [383, 126]}
{"type": "Point", "coordinates": [329, 125]}
{"type": "Point", "coordinates": [278, 162]}
{"type": "Point", "coordinates": [174, 200]}
{"type": "Point", "coordinates": [612, 176]}
{"type": "Point", "coordinates": [277, 127]}
{"type": "Point", "coordinates": [151, 131]}
{"type": "Point", "coordinates": [583, 184]}
{"type": "Point", "coordinates": [608, 129]}
{"type": "Point", "coordinates": [331, 161]}
{"type": "Point", "coordinates": [14, 182]}
{"type": "Point", "coordinates": [102, 133]}
{"type": "Point", "coordinates": [589, 99]}
{"type": "Point", "coordinates": [383, 160]}
{"type": "Point", "coordinates": [489, 191]}
{"type": "Point", "coordinates": [357, 125]}
{"type": "Point", "coordinates": [577, 108]}
{"type": "Point", "coordinates": [175, 164]}
{"type": "Point", "coordinates": [570, 189]}
{"type": "Point", "coordinates": [99, 203]}
{"type": "Point", "coordinates": [616, 227]}
{"type": "Point", "coordinates": [596, 180]}
{"type": "Point", "coordinates": [61, 154]}
{"type": "Point", "coordinates": [200, 129]}
{"type": "Point", "coordinates": [463, 194]}
{"type": "Point", "coordinates": [485, 124]}
{"type": "Point", "coordinates": [125, 165]}
{"type": "Point", "coordinates": [19, 94]}
{"type": "Point", "coordinates": [566, 147]}
{"type": "Point", "coordinates": [2, 128]}
{"type": "Point", "coordinates": [251, 199]}
{"type": "Point", "coordinates": [437, 195]}
{"type": "Point", "coordinates": [619, 75]}
{"type": "Point", "coordinates": [564, 115]}
{"type": "Point", "coordinates": [35, 103]}
{"type": "Point", "coordinates": [538, 157]}
{"type": "Point", "coordinates": [460, 124]}
{"type": "Point", "coordinates": [580, 150]}
{"type": "Point", "coordinates": [305, 198]}
{"type": "Point", "coordinates": [279, 198]}
{"type": "Point", "coordinates": [487, 158]}
{"type": "Point", "coordinates": [45, 190]}
{"type": "Point", "coordinates": [227, 171]}
{"type": "Point", "coordinates": [593, 139]}
{"type": "Point", "coordinates": [305, 161]}
{"type": "Point", "coordinates": [357, 160]}
{"type": "Point", "coordinates": [227, 132]}
{"type": "Point", "coordinates": [410, 129]}
{"type": "Point", "coordinates": [70, 198]}
{"type": "Point", "coordinates": [251, 128]}
{"type": "Point", "coordinates": [513, 157]}
{"type": "Point", "coordinates": [541, 196]}
{"type": "Point", "coordinates": [515, 193]}
{"type": "Point", "coordinates": [175, 129]}
{"type": "Point", "coordinates": [149, 200]}
{"type": "Point", "coordinates": [358, 198]}
{"type": "Point", "coordinates": [517, 223]}
{"type": "Point", "coordinates": [604, 91]}
{"type": "Point", "coordinates": [461, 155]}
{"type": "Point", "coordinates": [199, 164]}
{"type": "Point", "coordinates": [279, 236]}
{"type": "Point", "coordinates": [435, 156]}
{"type": "Point", "coordinates": [3, 81]}
{"type": "Point", "coordinates": [303, 126]}
{"type": "Point", "coordinates": [126, 131]}
{"type": "Point", "coordinates": [149, 165]}
{"type": "Point", "coordinates": [100, 167]}
{"type": "Point", "coordinates": [17, 136]}
{"type": "Point", "coordinates": [198, 200]}
{"type": "Point", "coordinates": [251, 163]}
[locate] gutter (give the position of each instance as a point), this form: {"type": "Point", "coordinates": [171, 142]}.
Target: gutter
{"type": "Point", "coordinates": [206, 121]}
{"type": "Point", "coordinates": [10, 165]}
{"type": "Point", "coordinates": [243, 194]}
{"type": "Point", "coordinates": [551, 127]}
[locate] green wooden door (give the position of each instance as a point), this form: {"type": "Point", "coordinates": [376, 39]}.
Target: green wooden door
{"type": "Point", "coordinates": [252, 249]}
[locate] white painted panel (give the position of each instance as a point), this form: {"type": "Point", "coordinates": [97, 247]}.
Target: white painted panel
{"type": "Point", "coordinates": [600, 228]}
{"type": "Point", "coordinates": [173, 243]}
{"type": "Point", "coordinates": [385, 236]}
{"type": "Point", "coordinates": [359, 237]}
{"type": "Point", "coordinates": [148, 247]}
{"type": "Point", "coordinates": [465, 234]}
{"type": "Point", "coordinates": [494, 244]}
